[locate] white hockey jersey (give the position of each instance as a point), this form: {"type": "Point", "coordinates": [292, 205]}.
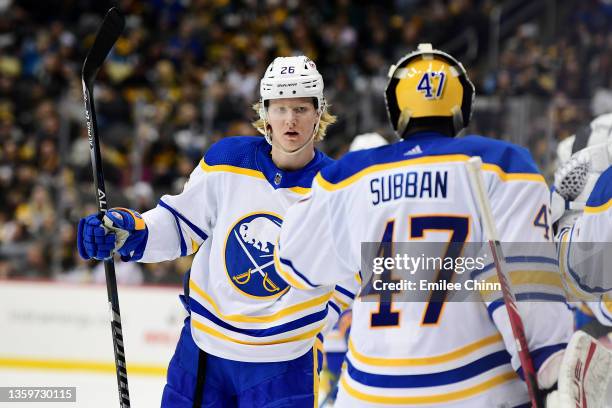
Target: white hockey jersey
{"type": "Point", "coordinates": [455, 354]}
{"type": "Point", "coordinates": [585, 252]}
{"type": "Point", "coordinates": [230, 213]}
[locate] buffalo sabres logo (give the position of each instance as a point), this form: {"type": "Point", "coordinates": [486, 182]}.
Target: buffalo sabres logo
{"type": "Point", "coordinates": [249, 258]}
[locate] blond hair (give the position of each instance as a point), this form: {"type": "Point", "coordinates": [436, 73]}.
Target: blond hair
{"type": "Point", "coordinates": [326, 120]}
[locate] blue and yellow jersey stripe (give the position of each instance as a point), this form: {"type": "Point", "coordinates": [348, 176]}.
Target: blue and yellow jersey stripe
{"type": "Point", "coordinates": [308, 335]}
{"type": "Point", "coordinates": [288, 272]}
{"type": "Point", "coordinates": [268, 331]}
{"type": "Point", "coordinates": [180, 218]}
{"type": "Point", "coordinates": [433, 379]}
{"type": "Point", "coordinates": [600, 199]}
{"type": "Point", "coordinates": [599, 208]}
{"type": "Point", "coordinates": [461, 352]}
{"type": "Point", "coordinates": [226, 168]}
{"type": "Point", "coordinates": [534, 278]}
{"type": "Point", "coordinates": [474, 369]}
{"type": "Point", "coordinates": [316, 302]}
{"type": "Point", "coordinates": [605, 307]}
{"type": "Point", "coordinates": [434, 398]}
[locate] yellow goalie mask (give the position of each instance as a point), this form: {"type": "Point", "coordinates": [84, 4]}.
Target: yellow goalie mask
{"type": "Point", "coordinates": [429, 84]}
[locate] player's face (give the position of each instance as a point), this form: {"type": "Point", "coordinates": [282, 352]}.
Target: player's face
{"type": "Point", "coordinates": [292, 121]}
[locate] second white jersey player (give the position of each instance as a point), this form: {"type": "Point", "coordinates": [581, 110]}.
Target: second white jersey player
{"type": "Point", "coordinates": [583, 202]}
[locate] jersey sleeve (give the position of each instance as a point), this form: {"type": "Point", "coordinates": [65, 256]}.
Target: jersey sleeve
{"type": "Point", "coordinates": [313, 218]}
{"type": "Point", "coordinates": [602, 310]}
{"type": "Point", "coordinates": [586, 248]}
{"type": "Point", "coordinates": [180, 223]}
{"type": "Point", "coordinates": [520, 203]}
{"type": "Point", "coordinates": [341, 301]}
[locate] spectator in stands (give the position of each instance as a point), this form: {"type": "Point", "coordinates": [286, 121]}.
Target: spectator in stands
{"type": "Point", "coordinates": [183, 71]}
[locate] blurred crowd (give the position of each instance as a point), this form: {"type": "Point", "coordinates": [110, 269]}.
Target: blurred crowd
{"type": "Point", "coordinates": [186, 72]}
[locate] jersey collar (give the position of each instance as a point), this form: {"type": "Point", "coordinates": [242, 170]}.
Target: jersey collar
{"type": "Point", "coordinates": [279, 178]}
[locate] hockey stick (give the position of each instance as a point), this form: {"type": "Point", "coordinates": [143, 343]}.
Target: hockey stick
{"type": "Point", "coordinates": [518, 330]}
{"type": "Point", "coordinates": [107, 35]}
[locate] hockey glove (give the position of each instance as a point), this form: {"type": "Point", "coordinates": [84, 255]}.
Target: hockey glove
{"type": "Point", "coordinates": [120, 230]}
{"type": "Point", "coordinates": [583, 374]}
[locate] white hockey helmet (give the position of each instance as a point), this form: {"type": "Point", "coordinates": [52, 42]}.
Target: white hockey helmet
{"type": "Point", "coordinates": [367, 141]}
{"type": "Point", "coordinates": [292, 77]}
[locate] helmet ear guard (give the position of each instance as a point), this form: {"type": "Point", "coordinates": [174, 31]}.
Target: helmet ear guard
{"type": "Point", "coordinates": [321, 106]}
{"type": "Point", "coordinates": [263, 114]}
{"type": "Point", "coordinates": [428, 84]}
{"type": "Point", "coordinates": [262, 110]}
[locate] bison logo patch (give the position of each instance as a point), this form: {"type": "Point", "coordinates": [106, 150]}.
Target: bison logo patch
{"type": "Point", "coordinates": [249, 260]}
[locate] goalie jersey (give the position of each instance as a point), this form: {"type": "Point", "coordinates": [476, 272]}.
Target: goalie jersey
{"type": "Point", "coordinates": [585, 251]}
{"type": "Point", "coordinates": [229, 214]}
{"type": "Point", "coordinates": [415, 353]}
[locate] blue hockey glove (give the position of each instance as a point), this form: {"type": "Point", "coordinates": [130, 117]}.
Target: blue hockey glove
{"type": "Point", "coordinates": [120, 230]}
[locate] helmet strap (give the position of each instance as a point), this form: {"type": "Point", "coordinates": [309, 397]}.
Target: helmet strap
{"type": "Point", "coordinates": [267, 133]}
{"type": "Point", "coordinates": [264, 116]}
{"type": "Point", "coordinates": [402, 122]}
{"type": "Point", "coordinates": [458, 123]}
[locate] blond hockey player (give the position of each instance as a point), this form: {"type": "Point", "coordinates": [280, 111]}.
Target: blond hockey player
{"type": "Point", "coordinates": [250, 339]}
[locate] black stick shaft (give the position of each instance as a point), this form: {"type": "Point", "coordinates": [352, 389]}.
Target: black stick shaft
{"type": "Point", "coordinates": [109, 265]}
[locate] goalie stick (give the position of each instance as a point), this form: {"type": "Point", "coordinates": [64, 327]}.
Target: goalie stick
{"type": "Point", "coordinates": [518, 330]}
{"type": "Point", "coordinates": [107, 35]}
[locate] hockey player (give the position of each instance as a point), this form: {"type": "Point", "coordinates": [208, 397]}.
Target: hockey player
{"type": "Point", "coordinates": [416, 354]}
{"type": "Point", "coordinates": [250, 338]}
{"type": "Point", "coordinates": [582, 211]}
